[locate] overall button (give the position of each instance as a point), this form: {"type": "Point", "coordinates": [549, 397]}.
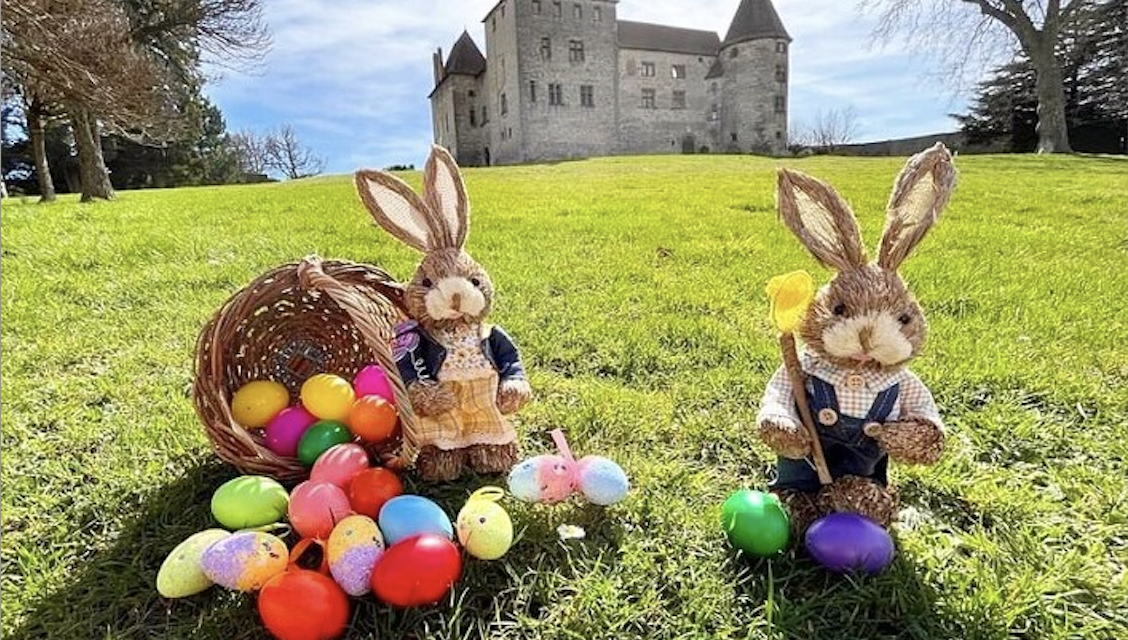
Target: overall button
{"type": "Point", "coordinates": [855, 381]}
{"type": "Point", "coordinates": [827, 417]}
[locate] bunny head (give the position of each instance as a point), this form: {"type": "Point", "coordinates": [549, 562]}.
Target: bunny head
{"type": "Point", "coordinates": [449, 287]}
{"type": "Point", "coordinates": [865, 317]}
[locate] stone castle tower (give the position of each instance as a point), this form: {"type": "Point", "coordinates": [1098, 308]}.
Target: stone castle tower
{"type": "Point", "coordinates": [568, 79]}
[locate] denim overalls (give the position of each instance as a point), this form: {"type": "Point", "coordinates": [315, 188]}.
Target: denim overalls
{"type": "Point", "coordinates": [848, 450]}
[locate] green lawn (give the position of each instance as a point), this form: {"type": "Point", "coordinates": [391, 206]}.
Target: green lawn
{"type": "Point", "coordinates": [635, 289]}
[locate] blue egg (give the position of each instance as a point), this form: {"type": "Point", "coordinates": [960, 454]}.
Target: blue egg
{"type": "Point", "coordinates": [407, 516]}
{"type": "Point", "coordinates": [602, 481]}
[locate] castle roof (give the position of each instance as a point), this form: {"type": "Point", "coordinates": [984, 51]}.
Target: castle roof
{"type": "Point", "coordinates": [657, 37]}
{"type": "Point", "coordinates": [755, 19]}
{"type": "Point", "coordinates": [465, 57]}
{"type": "Point", "coordinates": [716, 70]}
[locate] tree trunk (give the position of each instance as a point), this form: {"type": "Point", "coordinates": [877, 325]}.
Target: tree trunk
{"type": "Point", "coordinates": [91, 166]}
{"type": "Point", "coordinates": [1053, 130]}
{"type": "Point", "coordinates": [37, 137]}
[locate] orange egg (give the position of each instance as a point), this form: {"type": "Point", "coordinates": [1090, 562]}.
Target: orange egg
{"type": "Point", "coordinates": [372, 419]}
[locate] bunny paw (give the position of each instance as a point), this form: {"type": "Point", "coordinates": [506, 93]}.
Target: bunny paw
{"type": "Point", "coordinates": [785, 438]}
{"type": "Point", "coordinates": [909, 441]}
{"type": "Point", "coordinates": [430, 399]}
{"type": "Point", "coordinates": [513, 394]}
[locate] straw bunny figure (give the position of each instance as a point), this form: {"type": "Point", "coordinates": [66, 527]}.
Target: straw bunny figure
{"type": "Point", "coordinates": [859, 333]}
{"type": "Point", "coordinates": [462, 375]}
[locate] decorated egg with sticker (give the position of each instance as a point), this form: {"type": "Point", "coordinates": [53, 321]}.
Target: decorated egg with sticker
{"type": "Point", "coordinates": [353, 550]}
{"type": "Point", "coordinates": [543, 478]}
{"type": "Point", "coordinates": [244, 561]}
{"type": "Point", "coordinates": [180, 575]}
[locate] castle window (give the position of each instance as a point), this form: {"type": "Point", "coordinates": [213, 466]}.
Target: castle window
{"type": "Point", "coordinates": [493, 23]}
{"type": "Point", "coordinates": [780, 104]}
{"type": "Point", "coordinates": [779, 135]}
{"type": "Point", "coordinates": [471, 93]}
{"type": "Point", "coordinates": [733, 51]}
{"type": "Point", "coordinates": [503, 9]}
{"type": "Point", "coordinates": [647, 70]}
{"type": "Point", "coordinates": [714, 112]}
{"type": "Point", "coordinates": [473, 117]}
{"type": "Point", "coordinates": [678, 100]}
{"type": "Point", "coordinates": [677, 71]}
{"type": "Point", "coordinates": [557, 9]}
{"type": "Point", "coordinates": [546, 48]}
{"type": "Point", "coordinates": [781, 73]}
{"type": "Point", "coordinates": [532, 90]}
{"type": "Point", "coordinates": [504, 105]}
{"type": "Point", "coordinates": [485, 116]}
{"type": "Point", "coordinates": [587, 95]}
{"type": "Point", "coordinates": [648, 99]}
{"type": "Point", "coordinates": [781, 47]}
{"type": "Point", "coordinates": [575, 51]}
{"type": "Point", "coordinates": [578, 11]}
{"type": "Point", "coordinates": [555, 94]}
{"type": "Point", "coordinates": [713, 87]}
{"type": "Point", "coordinates": [733, 134]}
{"type": "Point", "coordinates": [597, 14]}
{"type": "Point", "coordinates": [536, 7]}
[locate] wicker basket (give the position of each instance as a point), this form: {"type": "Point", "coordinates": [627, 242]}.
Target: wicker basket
{"type": "Point", "coordinates": [290, 323]}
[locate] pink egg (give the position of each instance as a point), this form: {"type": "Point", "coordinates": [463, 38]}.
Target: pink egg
{"type": "Point", "coordinates": [339, 465]}
{"type": "Point", "coordinates": [286, 429]}
{"type": "Point", "coordinates": [317, 507]}
{"type": "Point", "coordinates": [372, 380]}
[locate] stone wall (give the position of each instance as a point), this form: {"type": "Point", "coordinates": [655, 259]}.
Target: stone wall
{"type": "Point", "coordinates": [665, 127]}
{"type": "Point", "coordinates": [749, 119]}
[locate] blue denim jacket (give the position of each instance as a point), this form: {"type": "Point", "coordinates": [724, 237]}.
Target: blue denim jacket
{"type": "Point", "coordinates": [420, 357]}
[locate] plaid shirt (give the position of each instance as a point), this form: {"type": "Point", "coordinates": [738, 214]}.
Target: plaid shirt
{"type": "Point", "coordinates": [856, 392]}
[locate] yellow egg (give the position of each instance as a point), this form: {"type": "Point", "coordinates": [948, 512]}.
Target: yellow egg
{"type": "Point", "coordinates": [353, 531]}
{"type": "Point", "coordinates": [180, 575]}
{"type": "Point", "coordinates": [327, 396]}
{"type": "Point", "coordinates": [255, 403]}
{"type": "Point", "coordinates": [484, 528]}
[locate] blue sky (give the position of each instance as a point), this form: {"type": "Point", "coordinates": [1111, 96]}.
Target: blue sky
{"type": "Point", "coordinates": [352, 76]}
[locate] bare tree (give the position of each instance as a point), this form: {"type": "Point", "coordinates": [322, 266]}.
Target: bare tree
{"type": "Point", "coordinates": [964, 33]}
{"type": "Point", "coordinates": [253, 151]}
{"type": "Point", "coordinates": [287, 155]}
{"type": "Point", "coordinates": [831, 129]}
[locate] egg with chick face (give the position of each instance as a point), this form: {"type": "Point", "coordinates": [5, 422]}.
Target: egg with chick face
{"type": "Point", "coordinates": [484, 528]}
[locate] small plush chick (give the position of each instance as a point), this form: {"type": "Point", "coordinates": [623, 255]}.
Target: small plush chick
{"type": "Point", "coordinates": [484, 528]}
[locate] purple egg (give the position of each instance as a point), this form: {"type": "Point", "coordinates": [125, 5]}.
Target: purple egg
{"type": "Point", "coordinates": [283, 433]}
{"type": "Point", "coordinates": [845, 542]}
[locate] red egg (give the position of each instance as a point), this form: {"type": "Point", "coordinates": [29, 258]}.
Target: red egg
{"type": "Point", "coordinates": [303, 605]}
{"type": "Point", "coordinates": [371, 488]}
{"type": "Point", "coordinates": [317, 507]}
{"type": "Point", "coordinates": [418, 571]}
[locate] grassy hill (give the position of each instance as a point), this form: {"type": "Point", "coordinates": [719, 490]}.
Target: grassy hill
{"type": "Point", "coordinates": [634, 287]}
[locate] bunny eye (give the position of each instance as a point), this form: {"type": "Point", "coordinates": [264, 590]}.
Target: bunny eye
{"type": "Point", "coordinates": [905, 318]}
{"type": "Point", "coordinates": [427, 283]}
{"type": "Point", "coordinates": [840, 309]}
{"type": "Point", "coordinates": [476, 282]}
{"type": "Point", "coordinates": [482, 520]}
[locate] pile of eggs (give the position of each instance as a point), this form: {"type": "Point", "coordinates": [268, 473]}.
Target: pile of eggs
{"type": "Point", "coordinates": [375, 539]}
{"type": "Point", "coordinates": [331, 411]}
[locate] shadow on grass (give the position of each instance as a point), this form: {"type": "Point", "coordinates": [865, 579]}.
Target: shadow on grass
{"type": "Point", "coordinates": [113, 594]}
{"type": "Point", "coordinates": [812, 603]}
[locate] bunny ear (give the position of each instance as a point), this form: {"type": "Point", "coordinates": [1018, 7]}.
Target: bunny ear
{"type": "Point", "coordinates": [821, 219]}
{"type": "Point", "coordinates": [397, 209]}
{"type": "Point", "coordinates": [919, 194]}
{"type": "Point", "coordinates": [446, 197]}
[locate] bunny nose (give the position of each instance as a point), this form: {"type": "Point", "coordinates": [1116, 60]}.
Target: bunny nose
{"type": "Point", "coordinates": [865, 334]}
{"type": "Point", "coordinates": [455, 301]}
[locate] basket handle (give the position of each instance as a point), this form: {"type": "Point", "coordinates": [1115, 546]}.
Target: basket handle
{"type": "Point", "coordinates": [313, 276]}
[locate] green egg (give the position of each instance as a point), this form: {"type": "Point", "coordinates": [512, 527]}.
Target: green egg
{"type": "Point", "coordinates": [180, 575]}
{"type": "Point", "coordinates": [756, 523]}
{"type": "Point", "coordinates": [320, 438]}
{"type": "Point", "coordinates": [249, 501]}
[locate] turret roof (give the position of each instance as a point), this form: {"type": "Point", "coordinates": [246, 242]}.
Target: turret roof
{"type": "Point", "coordinates": [755, 19]}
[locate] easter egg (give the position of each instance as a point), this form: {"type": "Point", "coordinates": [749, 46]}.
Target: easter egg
{"type": "Point", "coordinates": [417, 571]}
{"type": "Point", "coordinates": [354, 548]}
{"type": "Point", "coordinates": [249, 501]}
{"type": "Point", "coordinates": [255, 403]}
{"type": "Point", "coordinates": [327, 396]}
{"type": "Point", "coordinates": [372, 381]}
{"type": "Point", "coordinates": [755, 522]}
{"type": "Point", "coordinates": [285, 431]}
{"type": "Point", "coordinates": [543, 478]}
{"type": "Point", "coordinates": [372, 419]}
{"type": "Point", "coordinates": [601, 480]}
{"type": "Point", "coordinates": [180, 575]}
{"type": "Point", "coordinates": [371, 488]}
{"type": "Point", "coordinates": [403, 517]}
{"type": "Point", "coordinates": [339, 464]}
{"type": "Point", "coordinates": [300, 604]}
{"type": "Point", "coordinates": [484, 528]}
{"type": "Point", "coordinates": [244, 561]}
{"type": "Point", "coordinates": [320, 438]}
{"type": "Point", "coordinates": [845, 542]}
{"type": "Point", "coordinates": [317, 507]}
